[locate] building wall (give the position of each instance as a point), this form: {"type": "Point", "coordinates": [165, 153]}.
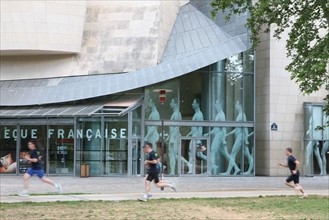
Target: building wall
{"type": "Point", "coordinates": [262, 94]}
{"type": "Point", "coordinates": [41, 27]}
{"type": "Point", "coordinates": [117, 37]}
{"type": "Point", "coordinates": [278, 100]}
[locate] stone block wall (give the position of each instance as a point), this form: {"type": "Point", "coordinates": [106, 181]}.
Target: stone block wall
{"type": "Point", "coordinates": [278, 100]}
{"type": "Point", "coordinates": [41, 27]}
{"type": "Point", "coordinates": [118, 36]}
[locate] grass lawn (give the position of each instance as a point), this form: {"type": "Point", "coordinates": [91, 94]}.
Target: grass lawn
{"type": "Point", "coordinates": [276, 207]}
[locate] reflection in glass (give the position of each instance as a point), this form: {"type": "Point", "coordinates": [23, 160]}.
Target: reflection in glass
{"type": "Point", "coordinates": [248, 61]}
{"type": "Point", "coordinates": [136, 156]}
{"type": "Point", "coordinates": [89, 150]}
{"type": "Point", "coordinates": [136, 141]}
{"type": "Point", "coordinates": [313, 145]}
{"type": "Point", "coordinates": [325, 147]}
{"type": "Point", "coordinates": [186, 167]}
{"type": "Point", "coordinates": [39, 134]}
{"type": "Point", "coordinates": [115, 154]}
{"type": "Point", "coordinates": [61, 149]}
{"type": "Point", "coordinates": [248, 90]}
{"type": "Point", "coordinates": [152, 135]}
{"type": "Point", "coordinates": [8, 138]}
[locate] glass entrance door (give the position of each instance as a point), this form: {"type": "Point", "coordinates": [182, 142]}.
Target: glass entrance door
{"type": "Point", "coordinates": [115, 151]}
{"type": "Point", "coordinates": [136, 156]}
{"type": "Point", "coordinates": [193, 156]}
{"type": "Point", "coordinates": [116, 156]}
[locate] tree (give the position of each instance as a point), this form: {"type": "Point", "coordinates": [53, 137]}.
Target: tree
{"type": "Point", "coordinates": [308, 43]}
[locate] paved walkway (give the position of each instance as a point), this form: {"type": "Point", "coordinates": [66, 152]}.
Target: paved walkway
{"type": "Point", "coordinates": [124, 188]}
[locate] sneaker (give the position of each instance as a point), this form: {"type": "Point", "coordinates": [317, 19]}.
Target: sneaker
{"type": "Point", "coordinates": [58, 187]}
{"type": "Point", "coordinates": [149, 196]}
{"type": "Point", "coordinates": [304, 196]}
{"type": "Point", "coordinates": [141, 199]}
{"type": "Point", "coordinates": [144, 198]}
{"type": "Point", "coordinates": [172, 185]}
{"type": "Point", "coordinates": [24, 193]}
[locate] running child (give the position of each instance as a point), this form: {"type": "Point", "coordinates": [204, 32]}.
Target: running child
{"type": "Point", "coordinates": [34, 157]}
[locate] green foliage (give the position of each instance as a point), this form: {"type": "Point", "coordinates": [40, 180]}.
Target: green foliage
{"type": "Point", "coordinates": [307, 22]}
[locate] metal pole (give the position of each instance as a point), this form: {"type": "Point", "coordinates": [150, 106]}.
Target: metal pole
{"type": "Point", "coordinates": [162, 150]}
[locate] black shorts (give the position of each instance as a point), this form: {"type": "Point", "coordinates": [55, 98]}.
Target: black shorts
{"type": "Point", "coordinates": [294, 178]}
{"type": "Point", "coordinates": [153, 176]}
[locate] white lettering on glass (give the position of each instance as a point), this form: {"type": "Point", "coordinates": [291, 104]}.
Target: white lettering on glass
{"type": "Point", "coordinates": [98, 134]}
{"type": "Point", "coordinates": [34, 133]}
{"type": "Point", "coordinates": [6, 133]}
{"type": "Point", "coordinates": [114, 133]}
{"type": "Point", "coordinates": [106, 132]}
{"type": "Point", "coordinates": [15, 133]}
{"type": "Point", "coordinates": [60, 133]}
{"type": "Point", "coordinates": [123, 133]}
{"type": "Point", "coordinates": [79, 133]}
{"type": "Point", "coordinates": [71, 134]}
{"type": "Point", "coordinates": [23, 133]}
{"type": "Point", "coordinates": [50, 132]}
{"type": "Point", "coordinates": [89, 133]}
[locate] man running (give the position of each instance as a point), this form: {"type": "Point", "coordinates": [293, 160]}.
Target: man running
{"type": "Point", "coordinates": [293, 165]}
{"type": "Point", "coordinates": [34, 157]}
{"type": "Point", "coordinates": [153, 168]}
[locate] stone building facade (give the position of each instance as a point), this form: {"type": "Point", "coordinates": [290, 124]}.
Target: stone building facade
{"type": "Point", "coordinates": [84, 77]}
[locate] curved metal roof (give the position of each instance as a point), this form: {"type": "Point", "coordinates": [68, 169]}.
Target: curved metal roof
{"type": "Point", "coordinates": [195, 42]}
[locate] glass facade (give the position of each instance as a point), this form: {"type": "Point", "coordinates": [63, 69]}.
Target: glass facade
{"type": "Point", "coordinates": [61, 149]}
{"type": "Point", "coordinates": [316, 140]}
{"type": "Point", "coordinates": [8, 154]}
{"type": "Point", "coordinates": [208, 129]}
{"type": "Point", "coordinates": [208, 119]}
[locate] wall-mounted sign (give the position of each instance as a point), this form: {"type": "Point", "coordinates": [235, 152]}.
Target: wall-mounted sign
{"type": "Point", "coordinates": [274, 127]}
{"type": "Point", "coordinates": [62, 133]}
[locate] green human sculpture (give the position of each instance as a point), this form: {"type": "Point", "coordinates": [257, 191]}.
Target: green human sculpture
{"type": "Point", "coordinates": [241, 137]}
{"type": "Point", "coordinates": [196, 131]}
{"type": "Point", "coordinates": [152, 136]}
{"type": "Point", "coordinates": [174, 136]}
{"type": "Point", "coordinates": [218, 144]}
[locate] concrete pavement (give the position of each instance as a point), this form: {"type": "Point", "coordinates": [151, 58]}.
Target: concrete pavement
{"type": "Point", "coordinates": [125, 188]}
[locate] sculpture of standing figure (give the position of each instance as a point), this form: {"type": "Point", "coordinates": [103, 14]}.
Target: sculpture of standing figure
{"type": "Point", "coordinates": [174, 135]}
{"type": "Point", "coordinates": [218, 144]}
{"type": "Point", "coordinates": [313, 143]}
{"type": "Point", "coordinates": [241, 135]}
{"type": "Point", "coordinates": [196, 131]}
{"type": "Point", "coordinates": [324, 151]}
{"type": "Point", "coordinates": [152, 135]}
